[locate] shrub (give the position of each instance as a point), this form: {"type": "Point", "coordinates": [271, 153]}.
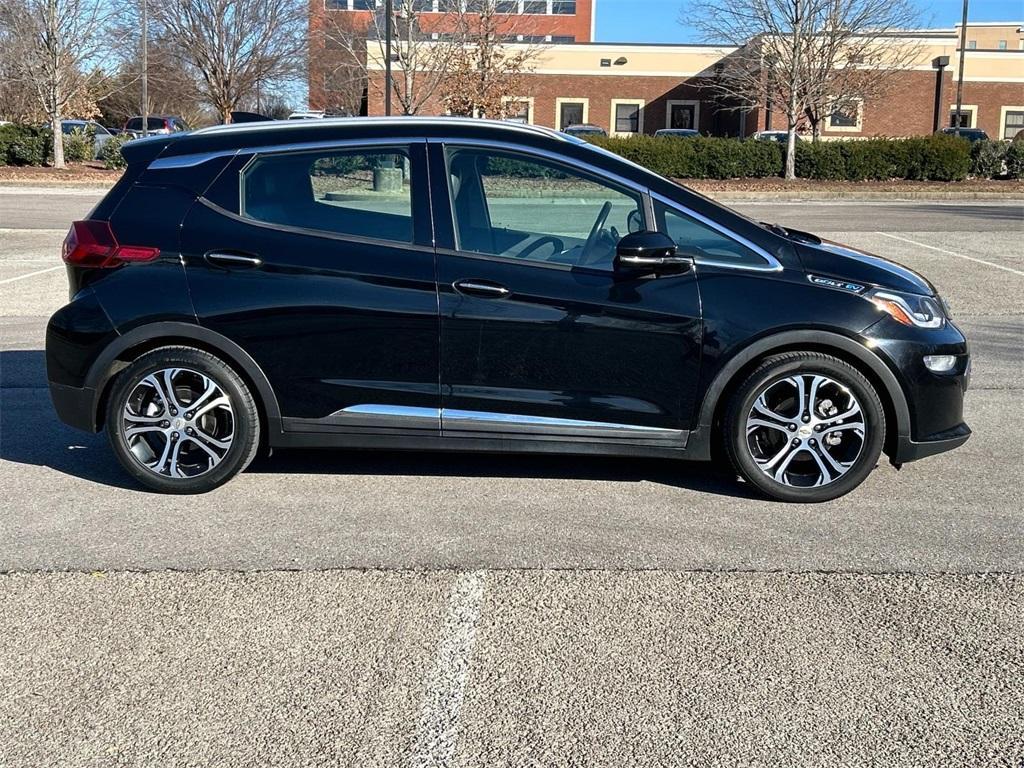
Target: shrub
{"type": "Point", "coordinates": [110, 153]}
{"type": "Point", "coordinates": [820, 160]}
{"type": "Point", "coordinates": [1015, 160]}
{"type": "Point", "coordinates": [987, 158]}
{"type": "Point", "coordinates": [937, 158]}
{"type": "Point", "coordinates": [699, 157]}
{"type": "Point", "coordinates": [24, 145]}
{"type": "Point", "coordinates": [78, 147]}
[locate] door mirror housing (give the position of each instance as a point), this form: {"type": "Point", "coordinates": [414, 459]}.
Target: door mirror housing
{"type": "Point", "coordinates": [650, 253]}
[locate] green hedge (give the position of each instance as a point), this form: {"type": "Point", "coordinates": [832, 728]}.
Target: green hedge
{"type": "Point", "coordinates": [931, 158]}
{"type": "Point", "coordinates": [1015, 160]}
{"type": "Point", "coordinates": [700, 157]}
{"type": "Point", "coordinates": [24, 145]}
{"type": "Point", "coordinates": [79, 146]}
{"type": "Point", "coordinates": [110, 152]}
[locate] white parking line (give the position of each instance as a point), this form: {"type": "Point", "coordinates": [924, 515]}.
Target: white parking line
{"type": "Point", "coordinates": [951, 253]}
{"type": "Point", "coordinates": [438, 732]}
{"type": "Point", "coordinates": [30, 274]}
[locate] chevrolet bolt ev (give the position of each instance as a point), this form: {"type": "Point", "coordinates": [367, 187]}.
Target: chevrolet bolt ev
{"type": "Point", "coordinates": [479, 286]}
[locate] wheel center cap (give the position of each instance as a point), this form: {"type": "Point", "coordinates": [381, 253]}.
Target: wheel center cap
{"type": "Point", "coordinates": [805, 431]}
{"type": "Point", "coordinates": [178, 423]}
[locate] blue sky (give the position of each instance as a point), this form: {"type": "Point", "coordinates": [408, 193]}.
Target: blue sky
{"type": "Point", "coordinates": [657, 21]}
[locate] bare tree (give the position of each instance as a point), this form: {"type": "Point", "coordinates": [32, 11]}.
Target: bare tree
{"type": "Point", "coordinates": [791, 53]}
{"type": "Point", "coordinates": [855, 54]}
{"type": "Point", "coordinates": [55, 47]}
{"type": "Point", "coordinates": [422, 53]}
{"type": "Point", "coordinates": [487, 73]}
{"type": "Point", "coordinates": [233, 46]}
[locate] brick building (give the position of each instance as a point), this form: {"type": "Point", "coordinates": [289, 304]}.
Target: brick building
{"type": "Point", "coordinates": [633, 88]}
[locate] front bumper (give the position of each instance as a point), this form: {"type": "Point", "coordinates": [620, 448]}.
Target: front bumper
{"type": "Point", "coordinates": [911, 450]}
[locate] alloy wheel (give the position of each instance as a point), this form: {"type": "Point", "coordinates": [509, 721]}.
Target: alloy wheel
{"type": "Point", "coordinates": [806, 430]}
{"type": "Point", "coordinates": [178, 423]}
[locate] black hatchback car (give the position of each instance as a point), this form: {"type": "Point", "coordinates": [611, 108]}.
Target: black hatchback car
{"type": "Point", "coordinates": [470, 285]}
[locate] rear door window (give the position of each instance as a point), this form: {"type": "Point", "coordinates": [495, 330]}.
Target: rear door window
{"type": "Point", "coordinates": [363, 192]}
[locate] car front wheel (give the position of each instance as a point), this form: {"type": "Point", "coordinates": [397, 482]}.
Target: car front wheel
{"type": "Point", "coordinates": [805, 427]}
{"type": "Point", "coordinates": [180, 420]}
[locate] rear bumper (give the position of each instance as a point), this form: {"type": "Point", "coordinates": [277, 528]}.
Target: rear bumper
{"type": "Point", "coordinates": [910, 450]}
{"type": "Point", "coordinates": [75, 406]}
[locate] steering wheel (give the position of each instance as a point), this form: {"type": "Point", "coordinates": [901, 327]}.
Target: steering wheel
{"type": "Point", "coordinates": [559, 246]}
{"type": "Point", "coordinates": [595, 233]}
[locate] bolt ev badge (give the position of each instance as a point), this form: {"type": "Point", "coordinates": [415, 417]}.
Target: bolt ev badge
{"type": "Point", "coordinates": [841, 285]}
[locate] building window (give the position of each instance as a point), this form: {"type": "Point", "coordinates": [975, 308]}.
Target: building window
{"type": "Point", "coordinates": [563, 38]}
{"type": "Point", "coordinates": [968, 117]}
{"type": "Point", "coordinates": [571, 112]}
{"type": "Point", "coordinates": [535, 6]}
{"type": "Point", "coordinates": [364, 5]}
{"type": "Point", "coordinates": [422, 6]}
{"type": "Point", "coordinates": [1013, 121]}
{"type": "Point", "coordinates": [845, 115]}
{"type": "Point", "coordinates": [336, 5]}
{"type": "Point", "coordinates": [506, 6]}
{"type": "Point", "coordinates": [627, 116]}
{"type": "Point", "coordinates": [519, 110]}
{"type": "Point", "coordinates": [1002, 45]}
{"type": "Point", "coordinates": [564, 7]}
{"type": "Point", "coordinates": [972, 44]}
{"type": "Point", "coordinates": [683, 114]}
{"type": "Point", "coordinates": [448, 6]}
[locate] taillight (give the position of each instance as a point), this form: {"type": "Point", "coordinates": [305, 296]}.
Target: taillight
{"type": "Point", "coordinates": [92, 244]}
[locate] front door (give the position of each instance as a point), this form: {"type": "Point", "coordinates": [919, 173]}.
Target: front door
{"type": "Point", "coordinates": [539, 336]}
{"type": "Point", "coordinates": [320, 265]}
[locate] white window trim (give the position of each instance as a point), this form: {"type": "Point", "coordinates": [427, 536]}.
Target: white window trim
{"type": "Point", "coordinates": [846, 128]}
{"type": "Point", "coordinates": [529, 105]}
{"type": "Point", "coordinates": [558, 110]}
{"type": "Point", "coordinates": [640, 122]}
{"type": "Point", "coordinates": [682, 102]}
{"type": "Point", "coordinates": [974, 114]}
{"type": "Point", "coordinates": [1002, 118]}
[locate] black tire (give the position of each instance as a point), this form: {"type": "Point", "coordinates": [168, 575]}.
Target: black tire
{"type": "Point", "coordinates": [242, 417]}
{"type": "Point", "coordinates": [774, 370]}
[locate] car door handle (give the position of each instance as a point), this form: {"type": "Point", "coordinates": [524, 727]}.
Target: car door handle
{"type": "Point", "coordinates": [481, 288]}
{"type": "Point", "coordinates": [227, 260]}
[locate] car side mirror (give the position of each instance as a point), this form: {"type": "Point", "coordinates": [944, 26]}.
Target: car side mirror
{"type": "Point", "coordinates": [650, 253]}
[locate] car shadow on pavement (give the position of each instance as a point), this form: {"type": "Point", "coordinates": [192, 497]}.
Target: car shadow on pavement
{"type": "Point", "coordinates": [30, 433]}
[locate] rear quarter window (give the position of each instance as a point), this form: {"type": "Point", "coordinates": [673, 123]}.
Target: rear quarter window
{"type": "Point", "coordinates": [363, 193]}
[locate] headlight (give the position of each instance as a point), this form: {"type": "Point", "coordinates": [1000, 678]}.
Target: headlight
{"type": "Point", "coordinates": [908, 308]}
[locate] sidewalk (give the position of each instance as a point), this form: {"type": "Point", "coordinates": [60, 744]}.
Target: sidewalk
{"type": "Point", "coordinates": [774, 190]}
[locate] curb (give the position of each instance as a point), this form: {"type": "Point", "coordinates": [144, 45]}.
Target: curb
{"type": "Point", "coordinates": [771, 196]}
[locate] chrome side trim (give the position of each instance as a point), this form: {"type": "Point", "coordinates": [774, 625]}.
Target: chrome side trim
{"type": "Point", "coordinates": [454, 419]}
{"type": "Point", "coordinates": [374, 416]}
{"type": "Point", "coordinates": [771, 263]}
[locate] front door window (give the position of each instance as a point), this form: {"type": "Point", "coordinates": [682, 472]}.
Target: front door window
{"type": "Point", "coordinates": [520, 207]}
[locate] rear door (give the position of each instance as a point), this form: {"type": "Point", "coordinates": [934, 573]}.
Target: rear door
{"type": "Point", "coordinates": [540, 337]}
{"type": "Point", "coordinates": [320, 264]}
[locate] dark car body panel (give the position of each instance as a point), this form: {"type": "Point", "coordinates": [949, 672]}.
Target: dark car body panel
{"type": "Point", "coordinates": [328, 327]}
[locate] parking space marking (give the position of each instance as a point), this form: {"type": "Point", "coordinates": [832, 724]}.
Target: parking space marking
{"type": "Point", "coordinates": [951, 253]}
{"type": "Point", "coordinates": [30, 274]}
{"type": "Point", "coordinates": [438, 730]}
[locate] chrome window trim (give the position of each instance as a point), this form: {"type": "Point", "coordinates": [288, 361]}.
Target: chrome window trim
{"type": "Point", "coordinates": [772, 264]}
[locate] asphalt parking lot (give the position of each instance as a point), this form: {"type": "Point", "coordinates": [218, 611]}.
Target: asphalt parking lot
{"type": "Point", "coordinates": [392, 609]}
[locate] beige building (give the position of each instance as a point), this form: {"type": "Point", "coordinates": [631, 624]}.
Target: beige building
{"type": "Point", "coordinates": [631, 88]}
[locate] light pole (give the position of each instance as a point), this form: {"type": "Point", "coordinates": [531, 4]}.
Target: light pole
{"type": "Point", "coordinates": [960, 75]}
{"type": "Point", "coordinates": [145, 67]}
{"type": "Point", "coordinates": [388, 11]}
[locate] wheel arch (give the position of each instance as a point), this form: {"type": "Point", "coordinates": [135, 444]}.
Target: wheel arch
{"type": "Point", "coordinates": [732, 374]}
{"type": "Point", "coordinates": [138, 341]}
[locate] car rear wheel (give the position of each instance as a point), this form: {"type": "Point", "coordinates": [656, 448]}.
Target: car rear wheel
{"type": "Point", "coordinates": [180, 420]}
{"type": "Point", "coordinates": [804, 427]}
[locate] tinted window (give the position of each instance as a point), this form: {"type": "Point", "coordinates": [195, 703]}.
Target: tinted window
{"type": "Point", "coordinates": [520, 207]}
{"type": "Point", "coordinates": [704, 242]}
{"type": "Point", "coordinates": [363, 193]}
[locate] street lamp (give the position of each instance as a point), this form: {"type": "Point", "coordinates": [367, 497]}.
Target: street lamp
{"type": "Point", "coordinates": [960, 76]}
